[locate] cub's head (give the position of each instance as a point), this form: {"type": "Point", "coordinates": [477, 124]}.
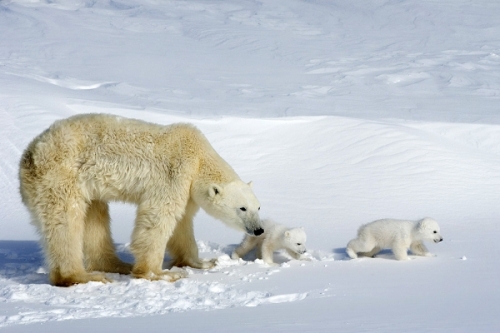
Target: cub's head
{"type": "Point", "coordinates": [429, 230]}
{"type": "Point", "coordinates": [233, 203]}
{"type": "Point", "coordinates": [295, 240]}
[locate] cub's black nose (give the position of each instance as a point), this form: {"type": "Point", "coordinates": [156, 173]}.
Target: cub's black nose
{"type": "Point", "coordinates": [259, 231]}
{"type": "Point", "coordinates": [441, 240]}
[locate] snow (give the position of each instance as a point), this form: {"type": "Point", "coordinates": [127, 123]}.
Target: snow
{"type": "Point", "coordinates": [340, 112]}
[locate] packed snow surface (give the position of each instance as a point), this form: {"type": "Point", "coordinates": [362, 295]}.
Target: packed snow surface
{"type": "Point", "coordinates": [340, 112]}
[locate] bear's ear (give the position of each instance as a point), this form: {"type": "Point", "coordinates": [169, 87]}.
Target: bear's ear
{"type": "Point", "coordinates": [424, 223]}
{"type": "Point", "coordinates": [250, 183]}
{"type": "Point", "coordinates": [419, 225]}
{"type": "Point", "coordinates": [287, 234]}
{"type": "Point", "coordinates": [214, 190]}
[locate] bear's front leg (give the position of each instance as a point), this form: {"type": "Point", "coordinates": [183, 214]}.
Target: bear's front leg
{"type": "Point", "coordinates": [419, 249]}
{"type": "Point", "coordinates": [153, 228]}
{"type": "Point", "coordinates": [294, 255]}
{"type": "Point", "coordinates": [267, 251]}
{"type": "Point", "coordinates": [247, 245]}
{"type": "Point", "coordinates": [400, 251]}
{"type": "Point", "coordinates": [182, 244]}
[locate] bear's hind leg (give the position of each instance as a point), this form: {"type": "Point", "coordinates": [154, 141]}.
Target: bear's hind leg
{"type": "Point", "coordinates": [359, 246]}
{"type": "Point", "coordinates": [98, 248]}
{"type": "Point", "coordinates": [247, 245]}
{"type": "Point", "coordinates": [62, 232]}
{"type": "Point", "coordinates": [67, 280]}
{"type": "Point", "coordinates": [371, 253]}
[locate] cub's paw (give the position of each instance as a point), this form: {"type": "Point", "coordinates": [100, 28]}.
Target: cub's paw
{"type": "Point", "coordinates": [305, 257]}
{"type": "Point", "coordinates": [351, 253]}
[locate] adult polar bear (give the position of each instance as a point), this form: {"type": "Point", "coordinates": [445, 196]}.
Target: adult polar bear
{"type": "Point", "coordinates": [70, 172]}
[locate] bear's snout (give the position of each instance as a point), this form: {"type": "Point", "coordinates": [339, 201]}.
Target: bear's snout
{"type": "Point", "coordinates": [438, 240]}
{"type": "Point", "coordinates": [258, 232]}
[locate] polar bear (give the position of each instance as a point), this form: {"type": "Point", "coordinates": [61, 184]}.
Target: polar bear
{"type": "Point", "coordinates": [276, 237]}
{"type": "Point", "coordinates": [399, 235]}
{"type": "Point", "coordinates": [70, 172]}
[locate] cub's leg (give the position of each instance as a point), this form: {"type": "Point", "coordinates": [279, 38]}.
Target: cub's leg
{"type": "Point", "coordinates": [361, 246]}
{"type": "Point", "coordinates": [247, 245]}
{"type": "Point", "coordinates": [98, 248]}
{"type": "Point", "coordinates": [372, 253]}
{"type": "Point", "coordinates": [294, 255]}
{"type": "Point", "coordinates": [153, 227]}
{"type": "Point", "coordinates": [267, 250]}
{"type": "Point", "coordinates": [419, 249]}
{"type": "Point", "coordinates": [258, 248]}
{"type": "Point", "coordinates": [182, 244]}
{"type": "Point", "coordinates": [400, 250]}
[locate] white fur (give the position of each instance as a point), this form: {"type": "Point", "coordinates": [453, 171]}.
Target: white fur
{"type": "Point", "coordinates": [70, 172]}
{"type": "Point", "coordinates": [399, 235]}
{"type": "Point", "coordinates": [233, 203]}
{"type": "Point", "coordinates": [275, 237]}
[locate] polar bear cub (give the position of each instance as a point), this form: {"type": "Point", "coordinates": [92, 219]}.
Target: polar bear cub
{"type": "Point", "coordinates": [399, 235]}
{"type": "Point", "coordinates": [275, 237]}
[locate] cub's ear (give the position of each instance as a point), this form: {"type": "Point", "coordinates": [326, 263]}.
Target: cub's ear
{"type": "Point", "coordinates": [214, 190]}
{"type": "Point", "coordinates": [250, 183]}
{"type": "Point", "coordinates": [287, 234]}
{"type": "Point", "coordinates": [419, 225]}
{"type": "Point", "coordinates": [424, 223]}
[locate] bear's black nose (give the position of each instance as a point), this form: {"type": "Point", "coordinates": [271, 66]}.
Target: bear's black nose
{"type": "Point", "coordinates": [441, 240]}
{"type": "Point", "coordinates": [259, 231]}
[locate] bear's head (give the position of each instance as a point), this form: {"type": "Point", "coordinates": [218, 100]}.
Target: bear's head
{"type": "Point", "coordinates": [429, 229]}
{"type": "Point", "coordinates": [233, 203]}
{"type": "Point", "coordinates": [295, 240]}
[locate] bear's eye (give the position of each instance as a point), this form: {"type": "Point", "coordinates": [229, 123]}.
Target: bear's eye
{"type": "Point", "coordinates": [299, 244]}
{"type": "Point", "coordinates": [243, 209]}
{"type": "Point", "coordinates": [435, 232]}
{"type": "Point", "coordinates": [258, 208]}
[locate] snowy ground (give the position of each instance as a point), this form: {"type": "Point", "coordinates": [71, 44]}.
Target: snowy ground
{"type": "Point", "coordinates": [340, 112]}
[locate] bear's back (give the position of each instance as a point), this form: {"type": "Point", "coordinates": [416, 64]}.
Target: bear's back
{"type": "Point", "coordinates": [385, 231]}
{"type": "Point", "coordinates": [105, 134]}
